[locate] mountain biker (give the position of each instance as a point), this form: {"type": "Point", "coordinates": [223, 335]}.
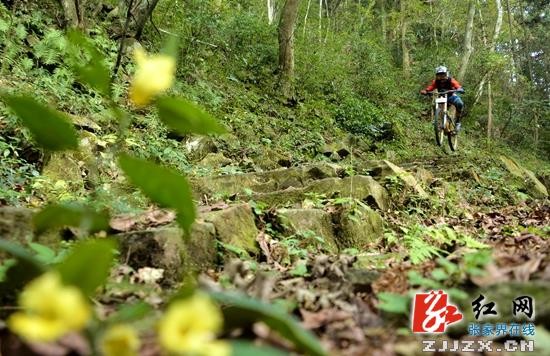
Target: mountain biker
{"type": "Point", "coordinates": [443, 82]}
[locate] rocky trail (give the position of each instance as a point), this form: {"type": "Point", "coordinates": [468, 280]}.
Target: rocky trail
{"type": "Point", "coordinates": [325, 242]}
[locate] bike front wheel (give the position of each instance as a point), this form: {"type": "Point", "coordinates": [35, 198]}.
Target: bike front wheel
{"type": "Point", "coordinates": [452, 135]}
{"type": "Point", "coordinates": [438, 126]}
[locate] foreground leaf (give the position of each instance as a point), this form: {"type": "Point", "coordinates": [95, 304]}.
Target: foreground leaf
{"type": "Point", "coordinates": [50, 128]}
{"type": "Point", "coordinates": [93, 72]}
{"type": "Point", "coordinates": [164, 186]}
{"type": "Point", "coordinates": [241, 311]}
{"type": "Point", "coordinates": [26, 268]}
{"type": "Point", "coordinates": [185, 117]}
{"type": "Point", "coordinates": [130, 313]}
{"type": "Point", "coordinates": [88, 264]}
{"type": "Point", "coordinates": [59, 215]}
{"type": "Point", "coordinates": [243, 348]}
{"type": "Point", "coordinates": [393, 303]}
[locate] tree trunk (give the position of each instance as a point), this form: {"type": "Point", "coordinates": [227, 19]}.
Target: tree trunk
{"type": "Point", "coordinates": [383, 18]}
{"type": "Point", "coordinates": [73, 12]}
{"type": "Point", "coordinates": [512, 44]}
{"type": "Point", "coordinates": [498, 26]}
{"type": "Point", "coordinates": [145, 15]}
{"type": "Point", "coordinates": [270, 11]}
{"type": "Point", "coordinates": [305, 17]}
{"type": "Point", "coordinates": [489, 111]}
{"type": "Point", "coordinates": [468, 49]}
{"type": "Point", "coordinates": [286, 46]}
{"type": "Point", "coordinates": [406, 60]}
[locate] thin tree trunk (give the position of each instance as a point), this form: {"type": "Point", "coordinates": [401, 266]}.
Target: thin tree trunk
{"type": "Point", "coordinates": [286, 46]}
{"type": "Point", "coordinates": [123, 39]}
{"type": "Point", "coordinates": [328, 20]}
{"type": "Point", "coordinates": [468, 48]}
{"type": "Point", "coordinates": [498, 26]}
{"type": "Point", "coordinates": [512, 44]}
{"type": "Point", "coordinates": [270, 11]}
{"type": "Point", "coordinates": [320, 19]}
{"type": "Point", "coordinates": [383, 18]}
{"type": "Point", "coordinates": [144, 17]}
{"type": "Point", "coordinates": [489, 111]}
{"type": "Point", "coordinates": [305, 17]}
{"type": "Point", "coordinates": [406, 61]}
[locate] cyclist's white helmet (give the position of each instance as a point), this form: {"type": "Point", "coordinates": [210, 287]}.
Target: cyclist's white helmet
{"type": "Point", "coordinates": [440, 70]}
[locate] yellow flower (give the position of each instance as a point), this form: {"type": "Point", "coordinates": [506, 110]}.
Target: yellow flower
{"type": "Point", "coordinates": [190, 326]}
{"type": "Point", "coordinates": [50, 310]}
{"type": "Point", "coordinates": [154, 74]}
{"type": "Point", "coordinates": [120, 340]}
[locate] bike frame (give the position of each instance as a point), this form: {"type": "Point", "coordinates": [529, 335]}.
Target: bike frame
{"type": "Point", "coordinates": [443, 121]}
{"type": "Point", "coordinates": [440, 102]}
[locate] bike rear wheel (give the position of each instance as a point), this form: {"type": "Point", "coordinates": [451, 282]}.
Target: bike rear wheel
{"type": "Point", "coordinates": [438, 126]}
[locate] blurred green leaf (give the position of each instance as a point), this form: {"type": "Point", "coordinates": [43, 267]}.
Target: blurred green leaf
{"type": "Point", "coordinates": [439, 274]}
{"type": "Point", "coordinates": [89, 63]}
{"type": "Point", "coordinates": [164, 186]}
{"type": "Point", "coordinates": [130, 313]}
{"type": "Point", "coordinates": [26, 268]}
{"type": "Point", "coordinates": [43, 253]}
{"type": "Point", "coordinates": [50, 128]}
{"type": "Point", "coordinates": [393, 303]}
{"type": "Point", "coordinates": [88, 264]}
{"type": "Point", "coordinates": [59, 215]}
{"type": "Point", "coordinates": [241, 311]}
{"type": "Point", "coordinates": [244, 348]}
{"type": "Point", "coordinates": [171, 46]}
{"type": "Point", "coordinates": [300, 269]}
{"type": "Point", "coordinates": [185, 117]}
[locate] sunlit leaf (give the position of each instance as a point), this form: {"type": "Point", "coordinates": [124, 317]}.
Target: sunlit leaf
{"type": "Point", "coordinates": [50, 128]}
{"type": "Point", "coordinates": [240, 311]}
{"type": "Point", "coordinates": [88, 264]}
{"type": "Point", "coordinates": [164, 186]}
{"type": "Point", "coordinates": [243, 348]}
{"type": "Point", "coordinates": [59, 215]}
{"type": "Point", "coordinates": [185, 117]}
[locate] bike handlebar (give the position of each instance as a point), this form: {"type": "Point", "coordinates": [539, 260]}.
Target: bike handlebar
{"type": "Point", "coordinates": [444, 92]}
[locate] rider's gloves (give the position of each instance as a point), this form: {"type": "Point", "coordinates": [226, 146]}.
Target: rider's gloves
{"type": "Point", "coordinates": [423, 92]}
{"type": "Point", "coordinates": [460, 90]}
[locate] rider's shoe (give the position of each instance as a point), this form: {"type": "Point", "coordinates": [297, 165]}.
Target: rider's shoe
{"type": "Point", "coordinates": [458, 127]}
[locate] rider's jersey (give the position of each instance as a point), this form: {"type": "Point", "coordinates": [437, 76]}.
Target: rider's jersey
{"type": "Point", "coordinates": [445, 84]}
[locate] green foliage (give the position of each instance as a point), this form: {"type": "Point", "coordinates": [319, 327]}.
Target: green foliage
{"type": "Point", "coordinates": [243, 348]}
{"type": "Point", "coordinates": [51, 129]}
{"type": "Point", "coordinates": [241, 311]}
{"type": "Point", "coordinates": [89, 64]}
{"type": "Point", "coordinates": [423, 243]}
{"type": "Point", "coordinates": [129, 313]}
{"type": "Point", "coordinates": [83, 217]}
{"type": "Point", "coordinates": [185, 117]}
{"type": "Point", "coordinates": [77, 269]}
{"type": "Point", "coordinates": [162, 185]}
{"type": "Point", "coordinates": [16, 275]}
{"type": "Point", "coordinates": [359, 116]}
{"type": "Point", "coordinates": [394, 303]}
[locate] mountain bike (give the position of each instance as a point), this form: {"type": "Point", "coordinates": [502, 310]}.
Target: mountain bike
{"type": "Point", "coordinates": [444, 119]}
